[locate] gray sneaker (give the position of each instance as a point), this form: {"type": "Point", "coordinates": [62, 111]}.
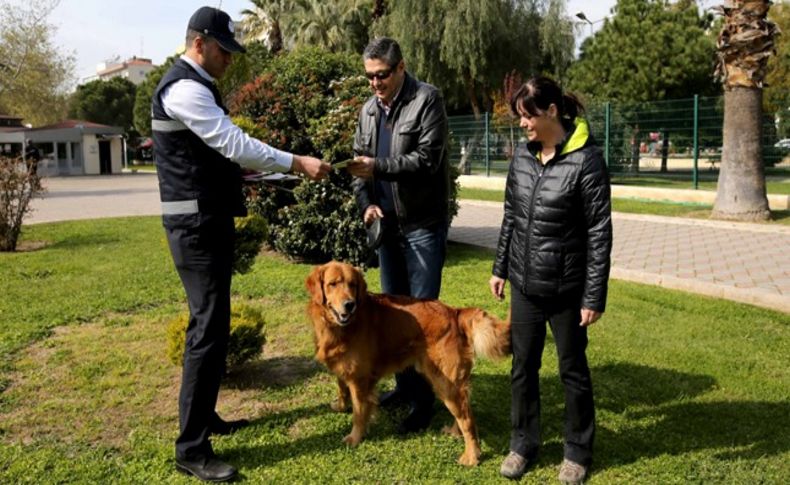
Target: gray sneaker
{"type": "Point", "coordinates": [513, 466]}
{"type": "Point", "coordinates": [572, 473]}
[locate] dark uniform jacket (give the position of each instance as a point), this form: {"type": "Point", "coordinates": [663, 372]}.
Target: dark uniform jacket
{"type": "Point", "coordinates": [556, 233]}
{"type": "Point", "coordinates": [188, 169]}
{"type": "Point", "coordinates": [417, 166]}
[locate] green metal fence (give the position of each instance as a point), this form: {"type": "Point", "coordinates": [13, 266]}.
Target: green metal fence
{"type": "Point", "coordinates": [679, 138]}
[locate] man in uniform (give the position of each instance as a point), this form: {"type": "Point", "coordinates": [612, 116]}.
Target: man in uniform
{"type": "Point", "coordinates": [199, 153]}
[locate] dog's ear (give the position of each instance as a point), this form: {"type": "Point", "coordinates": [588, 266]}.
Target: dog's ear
{"type": "Point", "coordinates": [315, 285]}
{"type": "Point", "coordinates": [362, 286]}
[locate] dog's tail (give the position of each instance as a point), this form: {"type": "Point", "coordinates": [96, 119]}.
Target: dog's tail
{"type": "Point", "coordinates": [490, 336]}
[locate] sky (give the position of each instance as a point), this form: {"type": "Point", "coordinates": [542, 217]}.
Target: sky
{"type": "Point", "coordinates": [97, 30]}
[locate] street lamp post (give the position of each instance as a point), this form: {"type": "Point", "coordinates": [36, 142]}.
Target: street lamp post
{"type": "Point", "coordinates": [580, 15]}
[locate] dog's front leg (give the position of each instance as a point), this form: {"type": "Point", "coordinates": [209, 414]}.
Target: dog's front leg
{"type": "Point", "coordinates": [362, 407]}
{"type": "Point", "coordinates": [343, 399]}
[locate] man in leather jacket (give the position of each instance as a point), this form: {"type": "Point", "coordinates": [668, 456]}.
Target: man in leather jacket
{"type": "Point", "coordinates": [401, 178]}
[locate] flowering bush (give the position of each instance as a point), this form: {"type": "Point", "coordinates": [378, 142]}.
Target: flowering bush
{"type": "Point", "coordinates": [308, 102]}
{"type": "Point", "coordinates": [292, 91]}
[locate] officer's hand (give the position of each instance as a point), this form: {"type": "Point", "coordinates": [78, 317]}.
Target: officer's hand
{"type": "Point", "coordinates": [312, 167]}
{"type": "Point", "coordinates": [362, 167]}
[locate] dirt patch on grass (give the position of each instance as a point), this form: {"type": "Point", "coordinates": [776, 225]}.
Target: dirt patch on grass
{"type": "Point", "coordinates": [91, 383]}
{"type": "Point", "coordinates": [95, 383]}
{"type": "Point", "coordinates": [29, 246]}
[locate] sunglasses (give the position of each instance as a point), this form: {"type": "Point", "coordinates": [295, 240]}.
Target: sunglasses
{"type": "Point", "coordinates": [381, 75]}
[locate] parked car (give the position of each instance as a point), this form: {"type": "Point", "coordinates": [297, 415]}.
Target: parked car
{"type": "Point", "coordinates": [783, 143]}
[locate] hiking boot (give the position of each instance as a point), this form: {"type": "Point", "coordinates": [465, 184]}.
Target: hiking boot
{"type": "Point", "coordinates": [513, 466]}
{"type": "Point", "coordinates": [572, 473]}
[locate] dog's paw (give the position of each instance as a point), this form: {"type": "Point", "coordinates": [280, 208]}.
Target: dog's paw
{"type": "Point", "coordinates": [340, 406]}
{"type": "Point", "coordinates": [453, 430]}
{"type": "Point", "coordinates": [469, 459]}
{"type": "Point", "coordinates": [352, 440]}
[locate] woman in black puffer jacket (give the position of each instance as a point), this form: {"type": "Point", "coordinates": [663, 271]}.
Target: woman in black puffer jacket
{"type": "Point", "coordinates": [554, 248]}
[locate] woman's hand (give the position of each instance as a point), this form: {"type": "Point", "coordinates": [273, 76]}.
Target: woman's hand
{"type": "Point", "coordinates": [497, 286]}
{"type": "Point", "coordinates": [589, 317]}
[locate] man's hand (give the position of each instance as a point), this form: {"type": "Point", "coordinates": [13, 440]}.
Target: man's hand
{"type": "Point", "coordinates": [371, 213]}
{"type": "Point", "coordinates": [497, 286]}
{"type": "Point", "coordinates": [589, 317]}
{"type": "Point", "coordinates": [312, 167]}
{"type": "Point", "coordinates": [362, 167]}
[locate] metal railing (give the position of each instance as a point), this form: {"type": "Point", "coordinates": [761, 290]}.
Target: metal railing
{"type": "Point", "coordinates": [680, 139]}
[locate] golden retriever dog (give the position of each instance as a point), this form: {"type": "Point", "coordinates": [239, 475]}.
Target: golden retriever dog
{"type": "Point", "coordinates": [362, 337]}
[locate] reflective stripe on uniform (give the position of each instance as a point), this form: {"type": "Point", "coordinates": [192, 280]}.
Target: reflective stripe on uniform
{"type": "Point", "coordinates": [167, 125]}
{"type": "Point", "coordinates": [180, 207]}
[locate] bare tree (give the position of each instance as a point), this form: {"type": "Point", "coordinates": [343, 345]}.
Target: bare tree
{"type": "Point", "coordinates": [744, 45]}
{"type": "Point", "coordinates": [19, 183]}
{"type": "Point", "coordinates": [34, 74]}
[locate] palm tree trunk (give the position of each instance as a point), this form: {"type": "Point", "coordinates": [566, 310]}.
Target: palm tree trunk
{"type": "Point", "coordinates": [741, 190]}
{"type": "Point", "coordinates": [276, 37]}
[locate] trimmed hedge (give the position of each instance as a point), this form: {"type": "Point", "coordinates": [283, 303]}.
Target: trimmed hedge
{"type": "Point", "coordinates": [246, 335]}
{"type": "Point", "coordinates": [307, 102]}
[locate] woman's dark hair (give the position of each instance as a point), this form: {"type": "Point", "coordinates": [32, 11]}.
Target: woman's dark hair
{"type": "Point", "coordinates": [536, 95]}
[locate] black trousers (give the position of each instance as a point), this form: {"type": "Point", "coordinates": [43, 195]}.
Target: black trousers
{"type": "Point", "coordinates": [528, 334]}
{"type": "Point", "coordinates": [202, 250]}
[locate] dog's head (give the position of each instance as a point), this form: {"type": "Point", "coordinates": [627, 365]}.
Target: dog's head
{"type": "Point", "coordinates": [339, 288]}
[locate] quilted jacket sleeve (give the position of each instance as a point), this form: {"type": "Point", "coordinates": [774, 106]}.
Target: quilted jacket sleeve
{"type": "Point", "coordinates": [501, 260]}
{"type": "Point", "coordinates": [597, 207]}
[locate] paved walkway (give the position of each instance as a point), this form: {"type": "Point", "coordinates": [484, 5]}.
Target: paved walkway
{"type": "Point", "coordinates": [743, 262]}
{"type": "Point", "coordinates": [748, 263]}
{"type": "Point", "coordinates": [93, 197]}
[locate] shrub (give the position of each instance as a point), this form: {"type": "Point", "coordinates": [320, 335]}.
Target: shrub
{"type": "Point", "coordinates": [19, 183]}
{"type": "Point", "coordinates": [292, 91]}
{"type": "Point", "coordinates": [246, 335]}
{"type": "Point", "coordinates": [251, 232]}
{"type": "Point", "coordinates": [308, 101]}
{"type": "Point", "coordinates": [323, 224]}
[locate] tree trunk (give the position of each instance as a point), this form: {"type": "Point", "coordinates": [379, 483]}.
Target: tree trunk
{"type": "Point", "coordinates": [740, 194]}
{"type": "Point", "coordinates": [379, 9]}
{"type": "Point", "coordinates": [469, 84]}
{"type": "Point", "coordinates": [664, 150]}
{"type": "Point", "coordinates": [276, 37]}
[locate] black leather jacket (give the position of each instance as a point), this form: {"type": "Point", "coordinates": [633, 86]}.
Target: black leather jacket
{"type": "Point", "coordinates": [556, 233]}
{"type": "Point", "coordinates": [417, 165]}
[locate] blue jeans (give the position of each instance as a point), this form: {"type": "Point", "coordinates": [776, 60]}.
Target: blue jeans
{"type": "Point", "coordinates": [411, 265]}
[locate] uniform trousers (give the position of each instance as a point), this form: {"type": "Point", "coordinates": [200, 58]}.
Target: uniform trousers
{"type": "Point", "coordinates": [202, 250]}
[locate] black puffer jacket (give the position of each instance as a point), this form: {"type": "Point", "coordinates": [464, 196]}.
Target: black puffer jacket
{"type": "Point", "coordinates": [556, 234]}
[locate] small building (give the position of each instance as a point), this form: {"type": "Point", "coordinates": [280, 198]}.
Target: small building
{"type": "Point", "coordinates": [71, 147]}
{"type": "Point", "coordinates": [134, 70]}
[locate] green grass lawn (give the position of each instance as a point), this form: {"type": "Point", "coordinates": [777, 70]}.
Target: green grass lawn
{"type": "Point", "coordinates": [772, 186]}
{"type": "Point", "coordinates": [634, 206]}
{"type": "Point", "coordinates": [688, 388]}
